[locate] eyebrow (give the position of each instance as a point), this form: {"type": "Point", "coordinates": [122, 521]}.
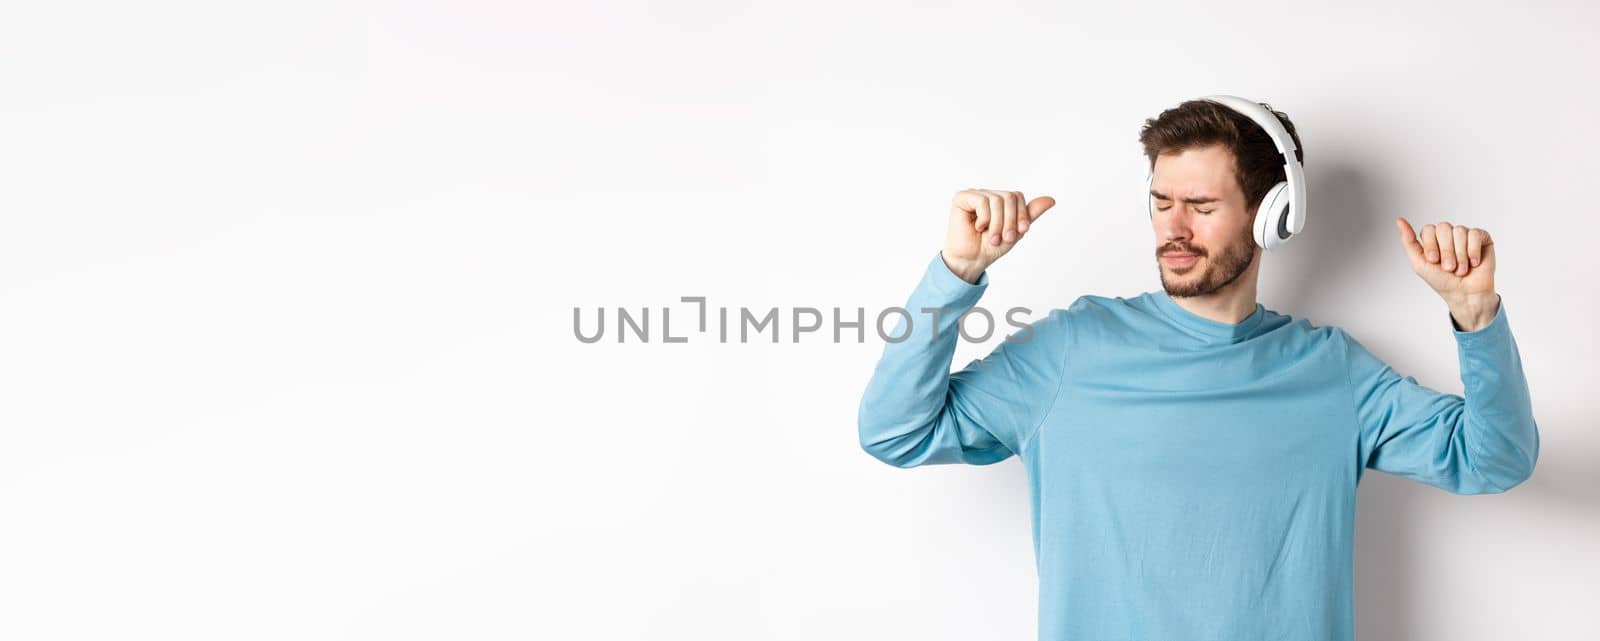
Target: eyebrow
{"type": "Point", "coordinates": [1194, 200]}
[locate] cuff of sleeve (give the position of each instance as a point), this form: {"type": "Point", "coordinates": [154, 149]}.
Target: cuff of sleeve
{"type": "Point", "coordinates": [1496, 329]}
{"type": "Point", "coordinates": [950, 286]}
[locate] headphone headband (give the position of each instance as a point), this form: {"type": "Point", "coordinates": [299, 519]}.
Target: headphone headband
{"type": "Point", "coordinates": [1266, 119]}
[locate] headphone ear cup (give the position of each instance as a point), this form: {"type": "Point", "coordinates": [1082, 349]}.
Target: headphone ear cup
{"type": "Point", "coordinates": [1149, 201]}
{"type": "Point", "coordinates": [1272, 217]}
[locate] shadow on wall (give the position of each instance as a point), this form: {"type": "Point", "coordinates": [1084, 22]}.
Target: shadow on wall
{"type": "Point", "coordinates": [1351, 238]}
{"type": "Point", "coordinates": [1389, 581]}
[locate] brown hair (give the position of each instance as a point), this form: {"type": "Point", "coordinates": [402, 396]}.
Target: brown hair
{"type": "Point", "coordinates": [1200, 123]}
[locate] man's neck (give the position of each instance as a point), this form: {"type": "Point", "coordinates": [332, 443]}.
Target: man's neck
{"type": "Point", "coordinates": [1231, 304]}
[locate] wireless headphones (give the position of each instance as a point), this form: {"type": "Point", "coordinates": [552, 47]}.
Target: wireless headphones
{"type": "Point", "coordinates": [1282, 213]}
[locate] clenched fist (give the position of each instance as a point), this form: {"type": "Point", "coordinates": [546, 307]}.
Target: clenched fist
{"type": "Point", "coordinates": [1458, 263]}
{"type": "Point", "coordinates": [984, 225]}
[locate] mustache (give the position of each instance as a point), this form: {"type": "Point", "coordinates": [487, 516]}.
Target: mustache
{"type": "Point", "coordinates": [1180, 248]}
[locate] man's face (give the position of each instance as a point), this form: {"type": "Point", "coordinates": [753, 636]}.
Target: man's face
{"type": "Point", "coordinates": [1203, 234]}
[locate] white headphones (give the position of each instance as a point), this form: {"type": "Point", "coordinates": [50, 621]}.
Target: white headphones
{"type": "Point", "coordinates": [1282, 213]}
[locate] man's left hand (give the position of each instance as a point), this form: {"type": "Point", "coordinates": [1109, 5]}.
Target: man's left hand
{"type": "Point", "coordinates": [1458, 263]}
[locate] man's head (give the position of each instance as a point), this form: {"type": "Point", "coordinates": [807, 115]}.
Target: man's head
{"type": "Point", "coordinates": [1212, 166]}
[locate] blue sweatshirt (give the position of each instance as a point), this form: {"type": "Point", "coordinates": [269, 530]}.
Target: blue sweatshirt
{"type": "Point", "coordinates": [1192, 480]}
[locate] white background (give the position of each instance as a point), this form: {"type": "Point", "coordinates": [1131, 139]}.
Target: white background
{"type": "Point", "coordinates": [287, 293]}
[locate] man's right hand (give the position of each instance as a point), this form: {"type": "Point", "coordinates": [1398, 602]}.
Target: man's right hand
{"type": "Point", "coordinates": [984, 225]}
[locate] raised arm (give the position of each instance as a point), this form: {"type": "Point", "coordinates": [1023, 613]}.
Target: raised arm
{"type": "Point", "coordinates": [1484, 442]}
{"type": "Point", "coordinates": [915, 411]}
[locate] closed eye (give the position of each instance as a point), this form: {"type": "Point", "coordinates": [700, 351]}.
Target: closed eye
{"type": "Point", "coordinates": [1198, 211]}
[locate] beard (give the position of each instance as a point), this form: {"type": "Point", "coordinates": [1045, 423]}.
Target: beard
{"type": "Point", "coordinates": [1216, 271]}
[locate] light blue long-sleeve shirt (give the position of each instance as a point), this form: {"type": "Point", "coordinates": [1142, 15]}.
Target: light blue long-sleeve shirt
{"type": "Point", "coordinates": [1192, 480]}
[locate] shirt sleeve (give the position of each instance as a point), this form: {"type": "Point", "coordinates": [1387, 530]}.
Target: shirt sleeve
{"type": "Point", "coordinates": [916, 412]}
{"type": "Point", "coordinates": [1485, 442]}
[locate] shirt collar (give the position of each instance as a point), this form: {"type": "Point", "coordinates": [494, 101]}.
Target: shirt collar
{"type": "Point", "coordinates": [1203, 327]}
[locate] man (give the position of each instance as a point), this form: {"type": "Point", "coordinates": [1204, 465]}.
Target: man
{"type": "Point", "coordinates": [1192, 456]}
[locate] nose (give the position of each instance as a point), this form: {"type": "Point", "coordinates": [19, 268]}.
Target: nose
{"type": "Point", "coordinates": [1173, 224]}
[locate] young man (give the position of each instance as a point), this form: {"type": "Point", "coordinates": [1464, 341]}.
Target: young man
{"type": "Point", "coordinates": [1192, 456]}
